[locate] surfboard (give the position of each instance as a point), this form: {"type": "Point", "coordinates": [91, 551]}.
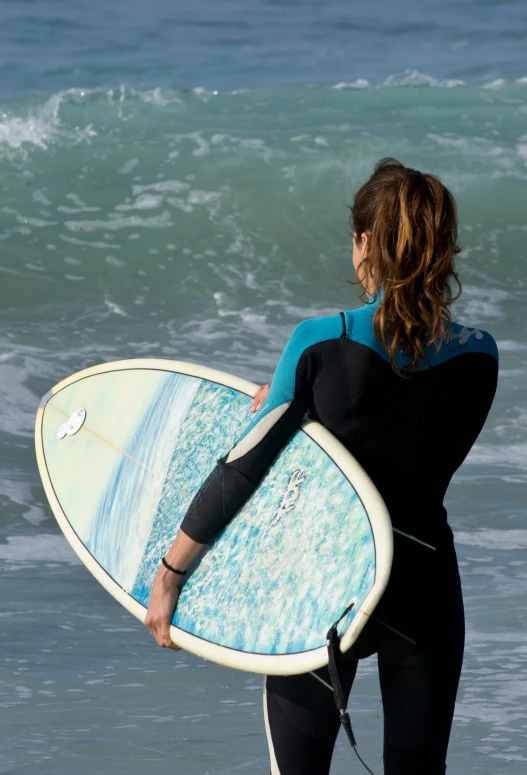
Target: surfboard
{"type": "Point", "coordinates": [123, 447]}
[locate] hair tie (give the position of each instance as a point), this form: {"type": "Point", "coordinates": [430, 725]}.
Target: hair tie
{"type": "Point", "coordinates": [169, 567]}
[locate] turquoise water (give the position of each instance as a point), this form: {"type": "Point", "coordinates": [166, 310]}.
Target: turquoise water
{"type": "Point", "coordinates": [142, 214]}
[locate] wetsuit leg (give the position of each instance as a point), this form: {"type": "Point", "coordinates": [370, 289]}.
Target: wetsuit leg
{"type": "Point", "coordinates": [419, 686]}
{"type": "Point", "coordinates": [302, 722]}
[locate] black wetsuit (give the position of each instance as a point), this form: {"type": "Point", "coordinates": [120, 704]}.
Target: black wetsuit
{"type": "Point", "coordinates": [410, 435]}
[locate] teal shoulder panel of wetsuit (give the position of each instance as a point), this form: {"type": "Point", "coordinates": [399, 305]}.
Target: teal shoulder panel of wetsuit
{"type": "Point", "coordinates": [288, 385]}
{"type": "Point", "coordinates": [458, 339]}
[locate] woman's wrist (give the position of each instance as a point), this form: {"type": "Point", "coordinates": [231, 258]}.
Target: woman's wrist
{"type": "Point", "coordinates": [171, 568]}
{"type": "Point", "coordinates": [168, 580]}
{"type": "Point", "coordinates": [179, 556]}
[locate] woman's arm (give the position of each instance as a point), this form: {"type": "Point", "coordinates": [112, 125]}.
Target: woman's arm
{"type": "Point", "coordinates": [238, 474]}
{"type": "Point", "coordinates": [165, 590]}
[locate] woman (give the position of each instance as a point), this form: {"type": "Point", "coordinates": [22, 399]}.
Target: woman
{"type": "Point", "coordinates": [407, 391]}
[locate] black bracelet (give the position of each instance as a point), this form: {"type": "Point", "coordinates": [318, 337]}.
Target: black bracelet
{"type": "Point", "coordinates": [169, 567]}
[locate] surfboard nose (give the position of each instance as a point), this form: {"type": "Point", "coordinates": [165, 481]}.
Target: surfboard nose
{"type": "Point", "coordinates": [45, 398]}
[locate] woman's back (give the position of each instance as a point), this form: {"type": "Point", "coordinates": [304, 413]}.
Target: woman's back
{"type": "Point", "coordinates": [410, 434]}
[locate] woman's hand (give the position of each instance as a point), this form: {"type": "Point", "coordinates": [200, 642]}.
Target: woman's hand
{"type": "Point", "coordinates": [161, 607]}
{"type": "Point", "coordinates": [165, 589]}
{"type": "Point", "coordinates": [259, 397]}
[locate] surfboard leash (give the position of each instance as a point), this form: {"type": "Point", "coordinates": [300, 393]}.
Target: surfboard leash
{"type": "Point", "coordinates": [334, 659]}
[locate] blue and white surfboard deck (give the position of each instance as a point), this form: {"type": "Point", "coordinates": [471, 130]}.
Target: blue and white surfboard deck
{"type": "Point", "coordinates": [123, 447]}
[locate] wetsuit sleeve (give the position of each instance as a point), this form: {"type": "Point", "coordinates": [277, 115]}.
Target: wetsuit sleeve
{"type": "Point", "coordinates": [237, 475]}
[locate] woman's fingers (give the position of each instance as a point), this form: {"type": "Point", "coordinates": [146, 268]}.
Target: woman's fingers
{"type": "Point", "coordinates": [160, 631]}
{"type": "Point", "coordinates": [256, 400]}
{"type": "Point", "coordinates": [161, 607]}
{"type": "Point", "coordinates": [259, 397]}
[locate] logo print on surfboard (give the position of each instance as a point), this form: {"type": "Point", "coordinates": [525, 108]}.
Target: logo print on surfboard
{"type": "Point", "coordinates": [290, 496]}
{"type": "Point", "coordinates": [73, 425]}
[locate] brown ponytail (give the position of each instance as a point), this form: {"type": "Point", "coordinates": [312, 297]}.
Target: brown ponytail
{"type": "Point", "coordinates": [411, 219]}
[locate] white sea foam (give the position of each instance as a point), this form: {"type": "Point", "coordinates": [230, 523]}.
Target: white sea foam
{"type": "Point", "coordinates": [497, 83]}
{"type": "Point", "coordinates": [15, 131]}
{"type": "Point", "coordinates": [18, 403]}
{"type": "Point", "coordinates": [410, 77]}
{"type": "Point", "coordinates": [500, 157]}
{"type": "Point", "coordinates": [98, 245]}
{"type": "Point", "coordinates": [203, 146]}
{"type": "Point", "coordinates": [512, 456]}
{"type": "Point", "coordinates": [154, 222]}
{"type": "Point", "coordinates": [128, 166]}
{"type": "Point", "coordinates": [162, 186]}
{"type": "Point", "coordinates": [41, 198]}
{"type": "Point", "coordinates": [512, 424]}
{"type": "Point", "coordinates": [205, 94]}
{"type": "Point", "coordinates": [159, 97]}
{"type": "Point", "coordinates": [114, 261]}
{"type": "Point", "coordinates": [211, 200]}
{"type": "Point", "coordinates": [143, 202]}
{"type": "Point", "coordinates": [360, 83]}
{"type": "Point", "coordinates": [75, 278]}
{"type": "Point", "coordinates": [45, 547]}
{"type": "Point", "coordinates": [509, 345]}
{"type": "Point", "coordinates": [521, 147]}
{"type": "Point", "coordinates": [40, 127]}
{"type": "Point", "coordinates": [77, 205]}
{"type": "Point", "coordinates": [225, 140]}
{"type": "Point", "coordinates": [492, 539]}
{"type": "Point", "coordinates": [480, 304]}
{"type": "Point", "coordinates": [115, 309]}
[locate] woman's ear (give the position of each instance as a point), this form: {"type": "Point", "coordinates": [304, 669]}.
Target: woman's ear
{"type": "Point", "coordinates": [365, 239]}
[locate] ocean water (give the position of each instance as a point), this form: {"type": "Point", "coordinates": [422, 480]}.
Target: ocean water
{"type": "Point", "coordinates": [173, 183]}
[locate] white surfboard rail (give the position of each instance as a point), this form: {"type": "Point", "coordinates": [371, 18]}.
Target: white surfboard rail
{"type": "Point", "coordinates": [279, 664]}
